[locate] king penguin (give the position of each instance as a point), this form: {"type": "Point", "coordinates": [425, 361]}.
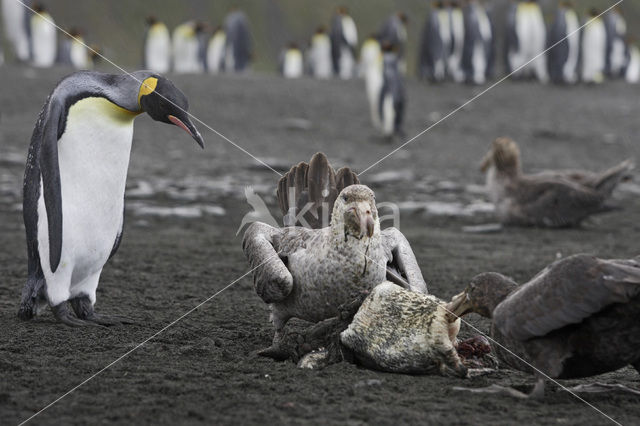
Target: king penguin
{"type": "Point", "coordinates": [238, 48]}
{"type": "Point", "coordinates": [291, 62]}
{"type": "Point", "coordinates": [478, 53]}
{"type": "Point", "coordinates": [454, 61]}
{"type": "Point", "coordinates": [344, 39]}
{"type": "Point", "coordinates": [593, 49]}
{"type": "Point", "coordinates": [632, 70]}
{"type": "Point", "coordinates": [392, 95]}
{"type": "Point", "coordinates": [371, 70]}
{"type": "Point", "coordinates": [394, 31]}
{"type": "Point", "coordinates": [73, 51]}
{"type": "Point", "coordinates": [16, 19]}
{"type": "Point", "coordinates": [320, 54]}
{"type": "Point", "coordinates": [215, 51]}
{"type": "Point", "coordinates": [186, 48]}
{"type": "Point", "coordinates": [157, 46]}
{"type": "Point", "coordinates": [75, 181]}
{"type": "Point", "coordinates": [616, 56]}
{"type": "Point", "coordinates": [44, 44]}
{"type": "Point", "coordinates": [435, 44]}
{"type": "Point", "coordinates": [526, 41]}
{"type": "Point", "coordinates": [564, 38]}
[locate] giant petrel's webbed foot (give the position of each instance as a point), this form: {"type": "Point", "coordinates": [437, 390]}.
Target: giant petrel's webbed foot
{"type": "Point", "coordinates": [325, 334]}
{"type": "Point", "coordinates": [64, 315]}
{"type": "Point", "coordinates": [83, 308]}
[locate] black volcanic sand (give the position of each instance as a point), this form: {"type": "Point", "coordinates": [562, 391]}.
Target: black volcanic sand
{"type": "Point", "coordinates": [202, 369]}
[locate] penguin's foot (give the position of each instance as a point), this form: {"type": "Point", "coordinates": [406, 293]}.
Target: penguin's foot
{"type": "Point", "coordinates": [64, 315]}
{"type": "Point", "coordinates": [32, 295]}
{"type": "Point", "coordinates": [83, 308]}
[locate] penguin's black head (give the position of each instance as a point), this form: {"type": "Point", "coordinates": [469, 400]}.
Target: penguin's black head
{"type": "Point", "coordinates": [164, 102]}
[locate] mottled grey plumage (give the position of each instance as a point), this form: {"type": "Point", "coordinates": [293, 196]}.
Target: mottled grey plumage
{"type": "Point", "coordinates": [576, 318]}
{"type": "Point", "coordinates": [307, 273]}
{"type": "Point", "coordinates": [404, 332]}
{"type": "Point", "coordinates": [548, 199]}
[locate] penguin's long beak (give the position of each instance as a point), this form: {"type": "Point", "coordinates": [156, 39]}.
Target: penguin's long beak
{"type": "Point", "coordinates": [186, 125]}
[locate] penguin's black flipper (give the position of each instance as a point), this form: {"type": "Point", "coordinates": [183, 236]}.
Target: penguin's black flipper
{"type": "Point", "coordinates": [50, 170]}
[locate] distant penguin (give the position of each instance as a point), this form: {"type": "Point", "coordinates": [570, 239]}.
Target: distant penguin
{"type": "Point", "coordinates": [526, 40]}
{"type": "Point", "coordinates": [215, 51]}
{"type": "Point", "coordinates": [394, 31]}
{"type": "Point", "coordinates": [478, 51]}
{"type": "Point", "coordinates": [392, 96]}
{"type": "Point", "coordinates": [593, 49]}
{"type": "Point", "coordinates": [344, 39]}
{"type": "Point", "coordinates": [291, 62]}
{"type": "Point", "coordinates": [563, 58]}
{"type": "Point", "coordinates": [44, 43]}
{"type": "Point", "coordinates": [17, 23]}
{"type": "Point", "coordinates": [157, 46]}
{"type": "Point", "coordinates": [371, 70]}
{"type": "Point", "coordinates": [454, 62]}
{"type": "Point", "coordinates": [320, 54]}
{"type": "Point", "coordinates": [616, 55]}
{"type": "Point", "coordinates": [435, 43]}
{"type": "Point", "coordinates": [238, 48]}
{"type": "Point", "coordinates": [74, 184]}
{"type": "Point", "coordinates": [73, 51]}
{"type": "Point", "coordinates": [632, 71]}
{"type": "Point", "coordinates": [187, 49]}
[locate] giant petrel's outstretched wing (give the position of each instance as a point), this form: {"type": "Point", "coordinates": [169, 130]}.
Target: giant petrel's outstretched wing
{"type": "Point", "coordinates": [402, 266]}
{"type": "Point", "coordinates": [306, 193]}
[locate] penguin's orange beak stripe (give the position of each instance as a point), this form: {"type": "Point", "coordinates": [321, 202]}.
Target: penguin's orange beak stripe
{"type": "Point", "coordinates": [179, 123]}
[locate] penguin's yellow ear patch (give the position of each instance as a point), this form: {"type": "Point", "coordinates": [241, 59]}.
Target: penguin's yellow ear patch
{"type": "Point", "coordinates": [147, 86]}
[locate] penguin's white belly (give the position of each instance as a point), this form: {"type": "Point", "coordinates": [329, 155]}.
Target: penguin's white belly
{"type": "Point", "coordinates": [570, 67]}
{"type": "Point", "coordinates": [388, 115]}
{"type": "Point", "coordinates": [93, 154]}
{"type": "Point", "coordinates": [158, 50]}
{"type": "Point", "coordinates": [185, 51]}
{"type": "Point", "coordinates": [321, 56]}
{"type": "Point", "coordinates": [347, 63]}
{"type": "Point", "coordinates": [79, 56]}
{"type": "Point", "coordinates": [594, 51]}
{"type": "Point", "coordinates": [13, 14]}
{"type": "Point", "coordinates": [44, 42]}
{"type": "Point", "coordinates": [455, 60]}
{"type": "Point", "coordinates": [373, 82]}
{"type": "Point", "coordinates": [633, 68]}
{"type": "Point", "coordinates": [215, 53]}
{"type": "Point", "coordinates": [293, 65]}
